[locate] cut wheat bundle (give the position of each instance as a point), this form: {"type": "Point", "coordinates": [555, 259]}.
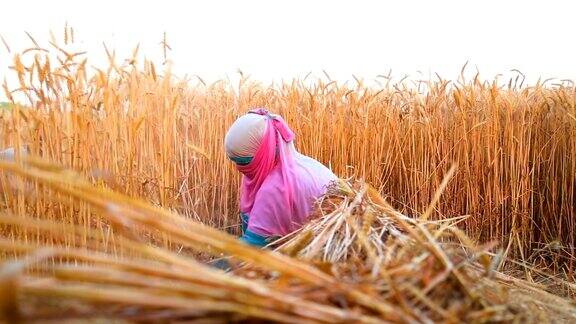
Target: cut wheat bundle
{"type": "Point", "coordinates": [357, 260]}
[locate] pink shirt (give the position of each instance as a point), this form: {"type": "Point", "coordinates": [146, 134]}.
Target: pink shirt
{"type": "Point", "coordinates": [271, 215]}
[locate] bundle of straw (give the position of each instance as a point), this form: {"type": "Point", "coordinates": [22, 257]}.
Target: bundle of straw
{"type": "Point", "coordinates": [429, 269]}
{"type": "Point", "coordinates": [361, 262]}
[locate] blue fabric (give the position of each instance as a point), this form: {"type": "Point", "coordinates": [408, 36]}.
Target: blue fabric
{"type": "Point", "coordinates": [242, 160]}
{"type": "Point", "coordinates": [244, 217]}
{"type": "Point", "coordinates": [254, 239]}
{"type": "Point", "coordinates": [221, 264]}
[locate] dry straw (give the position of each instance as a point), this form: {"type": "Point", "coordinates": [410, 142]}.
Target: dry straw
{"type": "Point", "coordinates": [149, 148]}
{"type": "Point", "coordinates": [153, 136]}
{"type": "Point", "coordinates": [396, 269]}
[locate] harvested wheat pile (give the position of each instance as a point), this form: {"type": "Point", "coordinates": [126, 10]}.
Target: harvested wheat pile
{"type": "Point", "coordinates": [429, 269]}
{"type": "Point", "coordinates": [358, 260]}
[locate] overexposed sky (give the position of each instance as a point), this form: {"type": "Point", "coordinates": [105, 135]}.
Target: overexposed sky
{"type": "Point", "coordinates": [271, 40]}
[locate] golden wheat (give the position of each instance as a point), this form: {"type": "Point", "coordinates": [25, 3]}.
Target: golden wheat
{"type": "Point", "coordinates": [154, 136]}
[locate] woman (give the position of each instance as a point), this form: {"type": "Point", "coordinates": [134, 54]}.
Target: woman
{"type": "Point", "coordinates": [279, 185]}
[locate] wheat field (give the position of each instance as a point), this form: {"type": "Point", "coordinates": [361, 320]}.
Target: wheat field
{"type": "Point", "coordinates": [134, 127]}
{"type": "Point", "coordinates": [502, 153]}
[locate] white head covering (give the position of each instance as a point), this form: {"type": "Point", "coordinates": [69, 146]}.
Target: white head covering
{"type": "Point", "coordinates": [245, 135]}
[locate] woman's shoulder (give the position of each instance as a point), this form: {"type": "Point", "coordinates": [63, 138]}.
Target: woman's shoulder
{"type": "Point", "coordinates": [314, 169]}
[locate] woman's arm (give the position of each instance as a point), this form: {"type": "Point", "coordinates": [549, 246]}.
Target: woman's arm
{"type": "Point", "coordinates": [250, 237]}
{"type": "Point", "coordinates": [244, 218]}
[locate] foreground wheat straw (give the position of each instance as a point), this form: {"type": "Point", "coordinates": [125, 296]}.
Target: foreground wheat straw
{"type": "Point", "coordinates": [149, 135]}
{"type": "Point", "coordinates": [135, 128]}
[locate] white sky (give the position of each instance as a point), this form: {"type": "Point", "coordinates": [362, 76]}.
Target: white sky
{"type": "Point", "coordinates": [271, 40]}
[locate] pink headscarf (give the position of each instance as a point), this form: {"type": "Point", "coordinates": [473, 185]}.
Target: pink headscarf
{"type": "Point", "coordinates": [272, 152]}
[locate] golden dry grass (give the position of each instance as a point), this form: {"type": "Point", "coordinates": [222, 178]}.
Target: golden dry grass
{"type": "Point", "coordinates": [136, 128]}
{"type": "Point", "coordinates": [395, 269]}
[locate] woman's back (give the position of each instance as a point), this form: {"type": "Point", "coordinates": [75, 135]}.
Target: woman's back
{"type": "Point", "coordinates": [271, 215]}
